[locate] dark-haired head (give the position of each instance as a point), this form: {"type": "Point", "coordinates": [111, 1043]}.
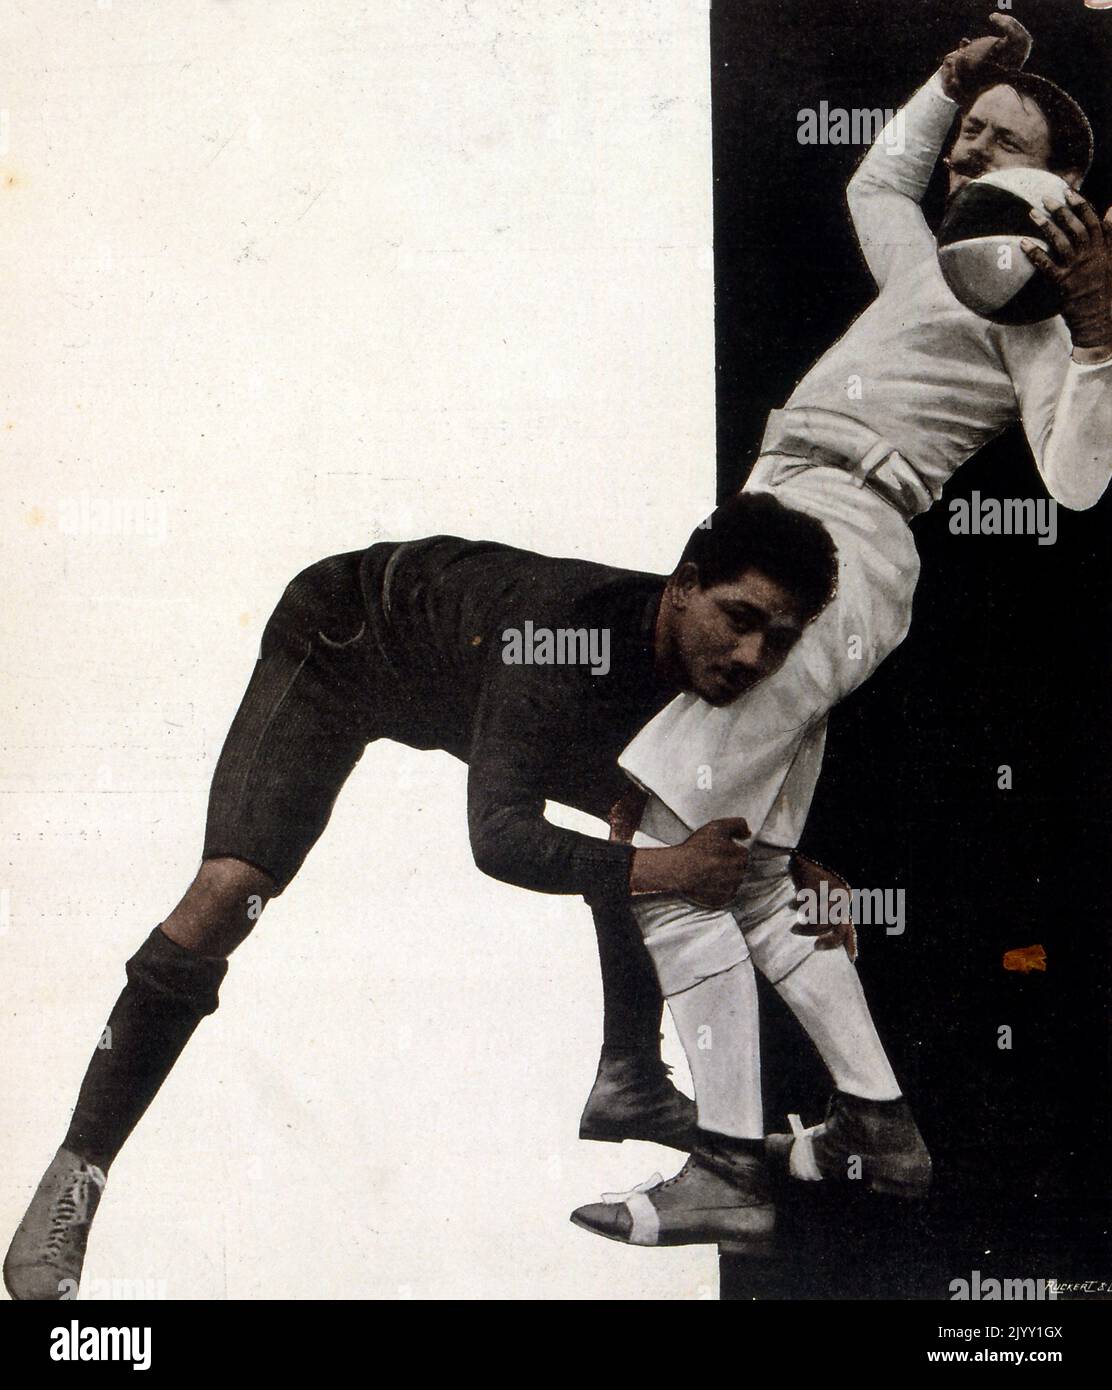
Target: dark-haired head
{"type": "Point", "coordinates": [1021, 120]}
{"type": "Point", "coordinates": [749, 580]}
{"type": "Point", "coordinates": [753, 530]}
{"type": "Point", "coordinates": [1071, 135]}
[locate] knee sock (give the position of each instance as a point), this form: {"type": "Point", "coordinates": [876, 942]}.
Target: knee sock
{"type": "Point", "coordinates": [825, 994]}
{"type": "Point", "coordinates": [169, 990]}
{"type": "Point", "coordinates": [632, 1002]}
{"type": "Point", "coordinates": [718, 1026]}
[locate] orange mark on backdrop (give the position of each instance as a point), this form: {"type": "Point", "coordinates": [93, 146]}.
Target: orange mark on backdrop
{"type": "Point", "coordinates": [1025, 959]}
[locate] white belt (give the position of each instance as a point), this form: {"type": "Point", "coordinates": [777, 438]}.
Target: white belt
{"type": "Point", "coordinates": [828, 437]}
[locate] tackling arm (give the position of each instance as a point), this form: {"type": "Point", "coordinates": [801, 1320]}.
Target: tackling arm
{"type": "Point", "coordinates": [511, 839]}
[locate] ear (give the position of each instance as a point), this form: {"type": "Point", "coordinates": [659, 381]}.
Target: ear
{"type": "Point", "coordinates": [684, 582]}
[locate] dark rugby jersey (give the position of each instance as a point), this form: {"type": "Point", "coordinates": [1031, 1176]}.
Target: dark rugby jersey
{"type": "Point", "coordinates": [438, 610]}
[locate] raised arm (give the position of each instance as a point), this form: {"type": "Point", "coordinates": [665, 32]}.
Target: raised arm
{"type": "Point", "coordinates": [885, 193]}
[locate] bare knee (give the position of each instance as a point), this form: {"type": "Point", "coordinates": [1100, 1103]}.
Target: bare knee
{"type": "Point", "coordinates": [220, 907]}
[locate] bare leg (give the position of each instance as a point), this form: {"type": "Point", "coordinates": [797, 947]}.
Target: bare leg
{"type": "Point", "coordinates": [220, 907]}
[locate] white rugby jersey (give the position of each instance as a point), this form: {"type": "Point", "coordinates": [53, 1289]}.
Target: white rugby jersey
{"type": "Point", "coordinates": [927, 375]}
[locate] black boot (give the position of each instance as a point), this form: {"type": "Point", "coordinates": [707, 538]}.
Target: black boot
{"type": "Point", "coordinates": [875, 1141]}
{"type": "Point", "coordinates": [632, 1098]}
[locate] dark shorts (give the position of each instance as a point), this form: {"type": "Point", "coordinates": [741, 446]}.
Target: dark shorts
{"type": "Point", "coordinates": [317, 697]}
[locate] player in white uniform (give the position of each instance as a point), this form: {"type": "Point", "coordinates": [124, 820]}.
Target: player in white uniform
{"type": "Point", "coordinates": [866, 442]}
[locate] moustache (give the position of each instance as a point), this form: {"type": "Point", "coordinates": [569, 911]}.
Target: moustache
{"type": "Point", "coordinates": [965, 169]}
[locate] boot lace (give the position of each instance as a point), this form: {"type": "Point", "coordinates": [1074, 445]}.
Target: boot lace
{"type": "Point", "coordinates": [675, 1178]}
{"type": "Point", "coordinates": [71, 1207]}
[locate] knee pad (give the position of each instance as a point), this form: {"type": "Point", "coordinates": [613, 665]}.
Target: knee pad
{"type": "Point", "coordinates": [182, 978]}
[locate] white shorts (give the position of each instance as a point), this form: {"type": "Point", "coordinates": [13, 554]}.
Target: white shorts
{"type": "Point", "coordinates": [689, 944]}
{"type": "Point", "coordinates": [760, 757]}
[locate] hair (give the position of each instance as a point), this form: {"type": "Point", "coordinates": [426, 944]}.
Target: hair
{"type": "Point", "coordinates": [754, 530]}
{"type": "Point", "coordinates": [1071, 135]}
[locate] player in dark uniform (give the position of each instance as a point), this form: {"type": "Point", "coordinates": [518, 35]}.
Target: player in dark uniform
{"type": "Point", "coordinates": [535, 671]}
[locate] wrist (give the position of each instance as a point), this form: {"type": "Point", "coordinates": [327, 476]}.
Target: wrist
{"type": "Point", "coordinates": [652, 871]}
{"type": "Point", "coordinates": [1091, 334]}
{"type": "Point", "coordinates": [950, 85]}
{"type": "Point", "coordinates": [1088, 315]}
{"type": "Point", "coordinates": [939, 86]}
{"type": "Point", "coordinates": [1093, 356]}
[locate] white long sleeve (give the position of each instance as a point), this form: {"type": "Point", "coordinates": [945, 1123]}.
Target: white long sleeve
{"type": "Point", "coordinates": [885, 192]}
{"type": "Point", "coordinates": [1066, 411]}
{"type": "Point", "coordinates": [1075, 457]}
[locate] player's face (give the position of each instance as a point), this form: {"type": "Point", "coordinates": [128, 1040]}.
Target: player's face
{"type": "Point", "coordinates": [730, 636]}
{"type": "Point", "coordinates": [1001, 130]}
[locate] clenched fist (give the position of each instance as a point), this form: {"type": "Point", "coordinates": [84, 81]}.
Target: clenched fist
{"type": "Point", "coordinates": [976, 63]}
{"type": "Point", "coordinates": [706, 869]}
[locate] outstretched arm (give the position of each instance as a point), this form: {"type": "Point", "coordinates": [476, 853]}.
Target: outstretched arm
{"type": "Point", "coordinates": [885, 193]}
{"type": "Point", "coordinates": [513, 750]}
{"type": "Point", "coordinates": [510, 764]}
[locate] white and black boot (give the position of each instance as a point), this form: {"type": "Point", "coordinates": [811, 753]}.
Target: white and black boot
{"type": "Point", "coordinates": [876, 1142]}
{"type": "Point", "coordinates": [721, 1196]}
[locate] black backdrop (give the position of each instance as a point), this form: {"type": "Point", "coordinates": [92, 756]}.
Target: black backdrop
{"type": "Point", "coordinates": [1008, 662]}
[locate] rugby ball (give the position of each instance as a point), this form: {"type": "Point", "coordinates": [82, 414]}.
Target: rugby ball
{"type": "Point", "coordinates": [978, 245]}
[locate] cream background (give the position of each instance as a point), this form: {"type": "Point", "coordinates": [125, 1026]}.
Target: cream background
{"type": "Point", "coordinates": [289, 278]}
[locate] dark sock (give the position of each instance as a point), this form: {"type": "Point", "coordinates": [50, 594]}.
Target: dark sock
{"type": "Point", "coordinates": [631, 998]}
{"type": "Point", "coordinates": [875, 1107]}
{"type": "Point", "coordinates": [169, 990]}
{"type": "Point", "coordinates": [710, 1141]}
